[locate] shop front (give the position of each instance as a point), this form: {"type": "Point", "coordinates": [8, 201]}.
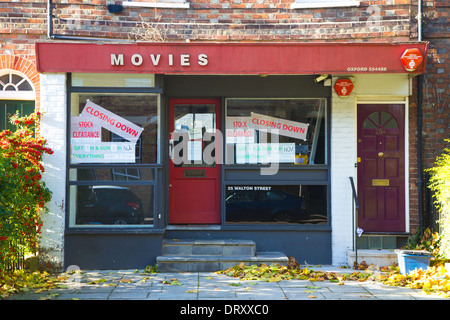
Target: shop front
{"type": "Point", "coordinates": [253, 141]}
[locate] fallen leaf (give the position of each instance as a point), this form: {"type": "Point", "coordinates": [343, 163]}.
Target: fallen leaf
{"type": "Point", "coordinates": [192, 291]}
{"type": "Point", "coordinates": [126, 280]}
{"type": "Point", "coordinates": [312, 297]}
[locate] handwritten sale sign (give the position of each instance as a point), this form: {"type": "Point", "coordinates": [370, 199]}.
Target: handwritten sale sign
{"type": "Point", "coordinates": [285, 127]}
{"type": "Point", "coordinates": [111, 122]}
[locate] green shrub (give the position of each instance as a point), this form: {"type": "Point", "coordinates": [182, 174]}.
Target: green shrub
{"type": "Point", "coordinates": [440, 185]}
{"type": "Point", "coordinates": [22, 192]}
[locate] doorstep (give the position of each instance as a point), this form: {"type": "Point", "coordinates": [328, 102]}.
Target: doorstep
{"type": "Point", "coordinates": [212, 255]}
{"type": "Point", "coordinates": [378, 257]}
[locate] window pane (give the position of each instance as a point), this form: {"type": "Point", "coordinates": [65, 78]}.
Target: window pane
{"type": "Point", "coordinates": [191, 123]}
{"type": "Point", "coordinates": [112, 174]}
{"type": "Point", "coordinates": [123, 115]}
{"type": "Point", "coordinates": [291, 131]}
{"type": "Point", "coordinates": [298, 204]}
{"type": "Point", "coordinates": [111, 205]}
{"type": "Point", "coordinates": [113, 80]}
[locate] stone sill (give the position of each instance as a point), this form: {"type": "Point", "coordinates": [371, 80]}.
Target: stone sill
{"type": "Point", "coordinates": [327, 4]}
{"type": "Point", "coordinates": [176, 5]}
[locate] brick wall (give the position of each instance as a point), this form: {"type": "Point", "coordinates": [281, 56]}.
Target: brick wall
{"type": "Point", "coordinates": [437, 79]}
{"type": "Point", "coordinates": [212, 20]}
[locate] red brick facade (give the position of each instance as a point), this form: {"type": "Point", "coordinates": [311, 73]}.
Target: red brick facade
{"type": "Point", "coordinates": [25, 22]}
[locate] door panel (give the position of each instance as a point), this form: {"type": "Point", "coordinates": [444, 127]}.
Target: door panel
{"type": "Point", "coordinates": [194, 175]}
{"type": "Point", "coordinates": [381, 181]}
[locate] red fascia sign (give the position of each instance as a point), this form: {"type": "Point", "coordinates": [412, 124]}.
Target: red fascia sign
{"type": "Point", "coordinates": [411, 59]}
{"type": "Point", "coordinates": [343, 87]}
{"type": "Point", "coordinates": [226, 58]}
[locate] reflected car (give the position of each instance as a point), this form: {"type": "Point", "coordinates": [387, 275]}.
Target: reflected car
{"type": "Point", "coordinates": [264, 206]}
{"type": "Point", "coordinates": [108, 205]}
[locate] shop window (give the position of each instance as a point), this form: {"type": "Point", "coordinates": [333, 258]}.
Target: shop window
{"type": "Point", "coordinates": [284, 131]}
{"type": "Point", "coordinates": [114, 150]}
{"type": "Point", "coordinates": [269, 204]}
{"type": "Point", "coordinates": [157, 3]}
{"type": "Point", "coordinates": [113, 205]}
{"type": "Point", "coordinates": [323, 3]}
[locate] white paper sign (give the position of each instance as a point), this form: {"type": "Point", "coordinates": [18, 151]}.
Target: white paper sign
{"type": "Point", "coordinates": [265, 153]}
{"type": "Point", "coordinates": [111, 121]}
{"type": "Point", "coordinates": [103, 152]}
{"type": "Point", "coordinates": [286, 128]}
{"type": "Point", "coordinates": [84, 130]}
{"type": "Point", "coordinates": [194, 150]}
{"type": "Point", "coordinates": [238, 131]}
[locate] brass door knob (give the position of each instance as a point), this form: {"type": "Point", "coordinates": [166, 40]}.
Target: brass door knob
{"type": "Point", "coordinates": [380, 154]}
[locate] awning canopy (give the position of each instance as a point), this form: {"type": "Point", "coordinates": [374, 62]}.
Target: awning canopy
{"type": "Point", "coordinates": [231, 58]}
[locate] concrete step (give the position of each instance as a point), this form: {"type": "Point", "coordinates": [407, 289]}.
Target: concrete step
{"type": "Point", "coordinates": [205, 263]}
{"type": "Point", "coordinates": [378, 257]}
{"type": "Point", "coordinates": [212, 255]}
{"type": "Point", "coordinates": [174, 247]}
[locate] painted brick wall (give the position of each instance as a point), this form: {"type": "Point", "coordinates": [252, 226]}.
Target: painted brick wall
{"type": "Point", "coordinates": [342, 159]}
{"type": "Point", "coordinates": [53, 124]}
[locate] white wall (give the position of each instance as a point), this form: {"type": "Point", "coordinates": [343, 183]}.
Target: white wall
{"type": "Point", "coordinates": [371, 88]}
{"type": "Point", "coordinates": [343, 158]}
{"type": "Point", "coordinates": [53, 128]}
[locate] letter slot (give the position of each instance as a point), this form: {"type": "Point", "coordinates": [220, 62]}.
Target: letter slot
{"type": "Point", "coordinates": [194, 173]}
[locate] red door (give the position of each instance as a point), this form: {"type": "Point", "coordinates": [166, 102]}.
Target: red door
{"type": "Point", "coordinates": [194, 173]}
{"type": "Point", "coordinates": [381, 167]}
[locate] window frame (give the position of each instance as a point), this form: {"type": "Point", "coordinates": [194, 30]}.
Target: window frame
{"type": "Point", "coordinates": [156, 167]}
{"type": "Point", "coordinates": [325, 121]}
{"type": "Point", "coordinates": [16, 94]}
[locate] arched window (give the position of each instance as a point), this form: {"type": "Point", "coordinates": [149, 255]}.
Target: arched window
{"type": "Point", "coordinates": [16, 95]}
{"type": "Point", "coordinates": [15, 86]}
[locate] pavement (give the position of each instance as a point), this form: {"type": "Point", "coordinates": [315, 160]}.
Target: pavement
{"type": "Point", "coordinates": [201, 286]}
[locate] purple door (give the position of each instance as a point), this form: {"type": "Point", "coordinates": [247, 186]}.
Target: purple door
{"type": "Point", "coordinates": [381, 167]}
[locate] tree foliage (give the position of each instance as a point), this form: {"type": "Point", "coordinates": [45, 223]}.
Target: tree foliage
{"type": "Point", "coordinates": [23, 194]}
{"type": "Point", "coordinates": [440, 185]}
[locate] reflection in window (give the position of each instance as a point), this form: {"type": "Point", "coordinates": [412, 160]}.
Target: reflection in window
{"type": "Point", "coordinates": [112, 205]}
{"type": "Point", "coordinates": [298, 204]}
{"type": "Point", "coordinates": [291, 131]}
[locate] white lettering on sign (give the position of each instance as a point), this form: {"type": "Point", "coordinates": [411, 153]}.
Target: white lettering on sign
{"type": "Point", "coordinates": [158, 59]}
{"type": "Point", "coordinates": [111, 122]}
{"type": "Point", "coordinates": [286, 128]}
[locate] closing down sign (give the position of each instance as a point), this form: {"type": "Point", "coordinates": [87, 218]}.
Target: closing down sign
{"type": "Point", "coordinates": [112, 122]}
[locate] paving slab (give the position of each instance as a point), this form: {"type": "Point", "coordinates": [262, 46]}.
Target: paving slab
{"type": "Point", "coordinates": [202, 286]}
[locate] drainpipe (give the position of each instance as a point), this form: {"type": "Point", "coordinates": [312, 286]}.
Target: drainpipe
{"type": "Point", "coordinates": [49, 19]}
{"type": "Point", "coordinates": [52, 36]}
{"type": "Point", "coordinates": [420, 183]}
